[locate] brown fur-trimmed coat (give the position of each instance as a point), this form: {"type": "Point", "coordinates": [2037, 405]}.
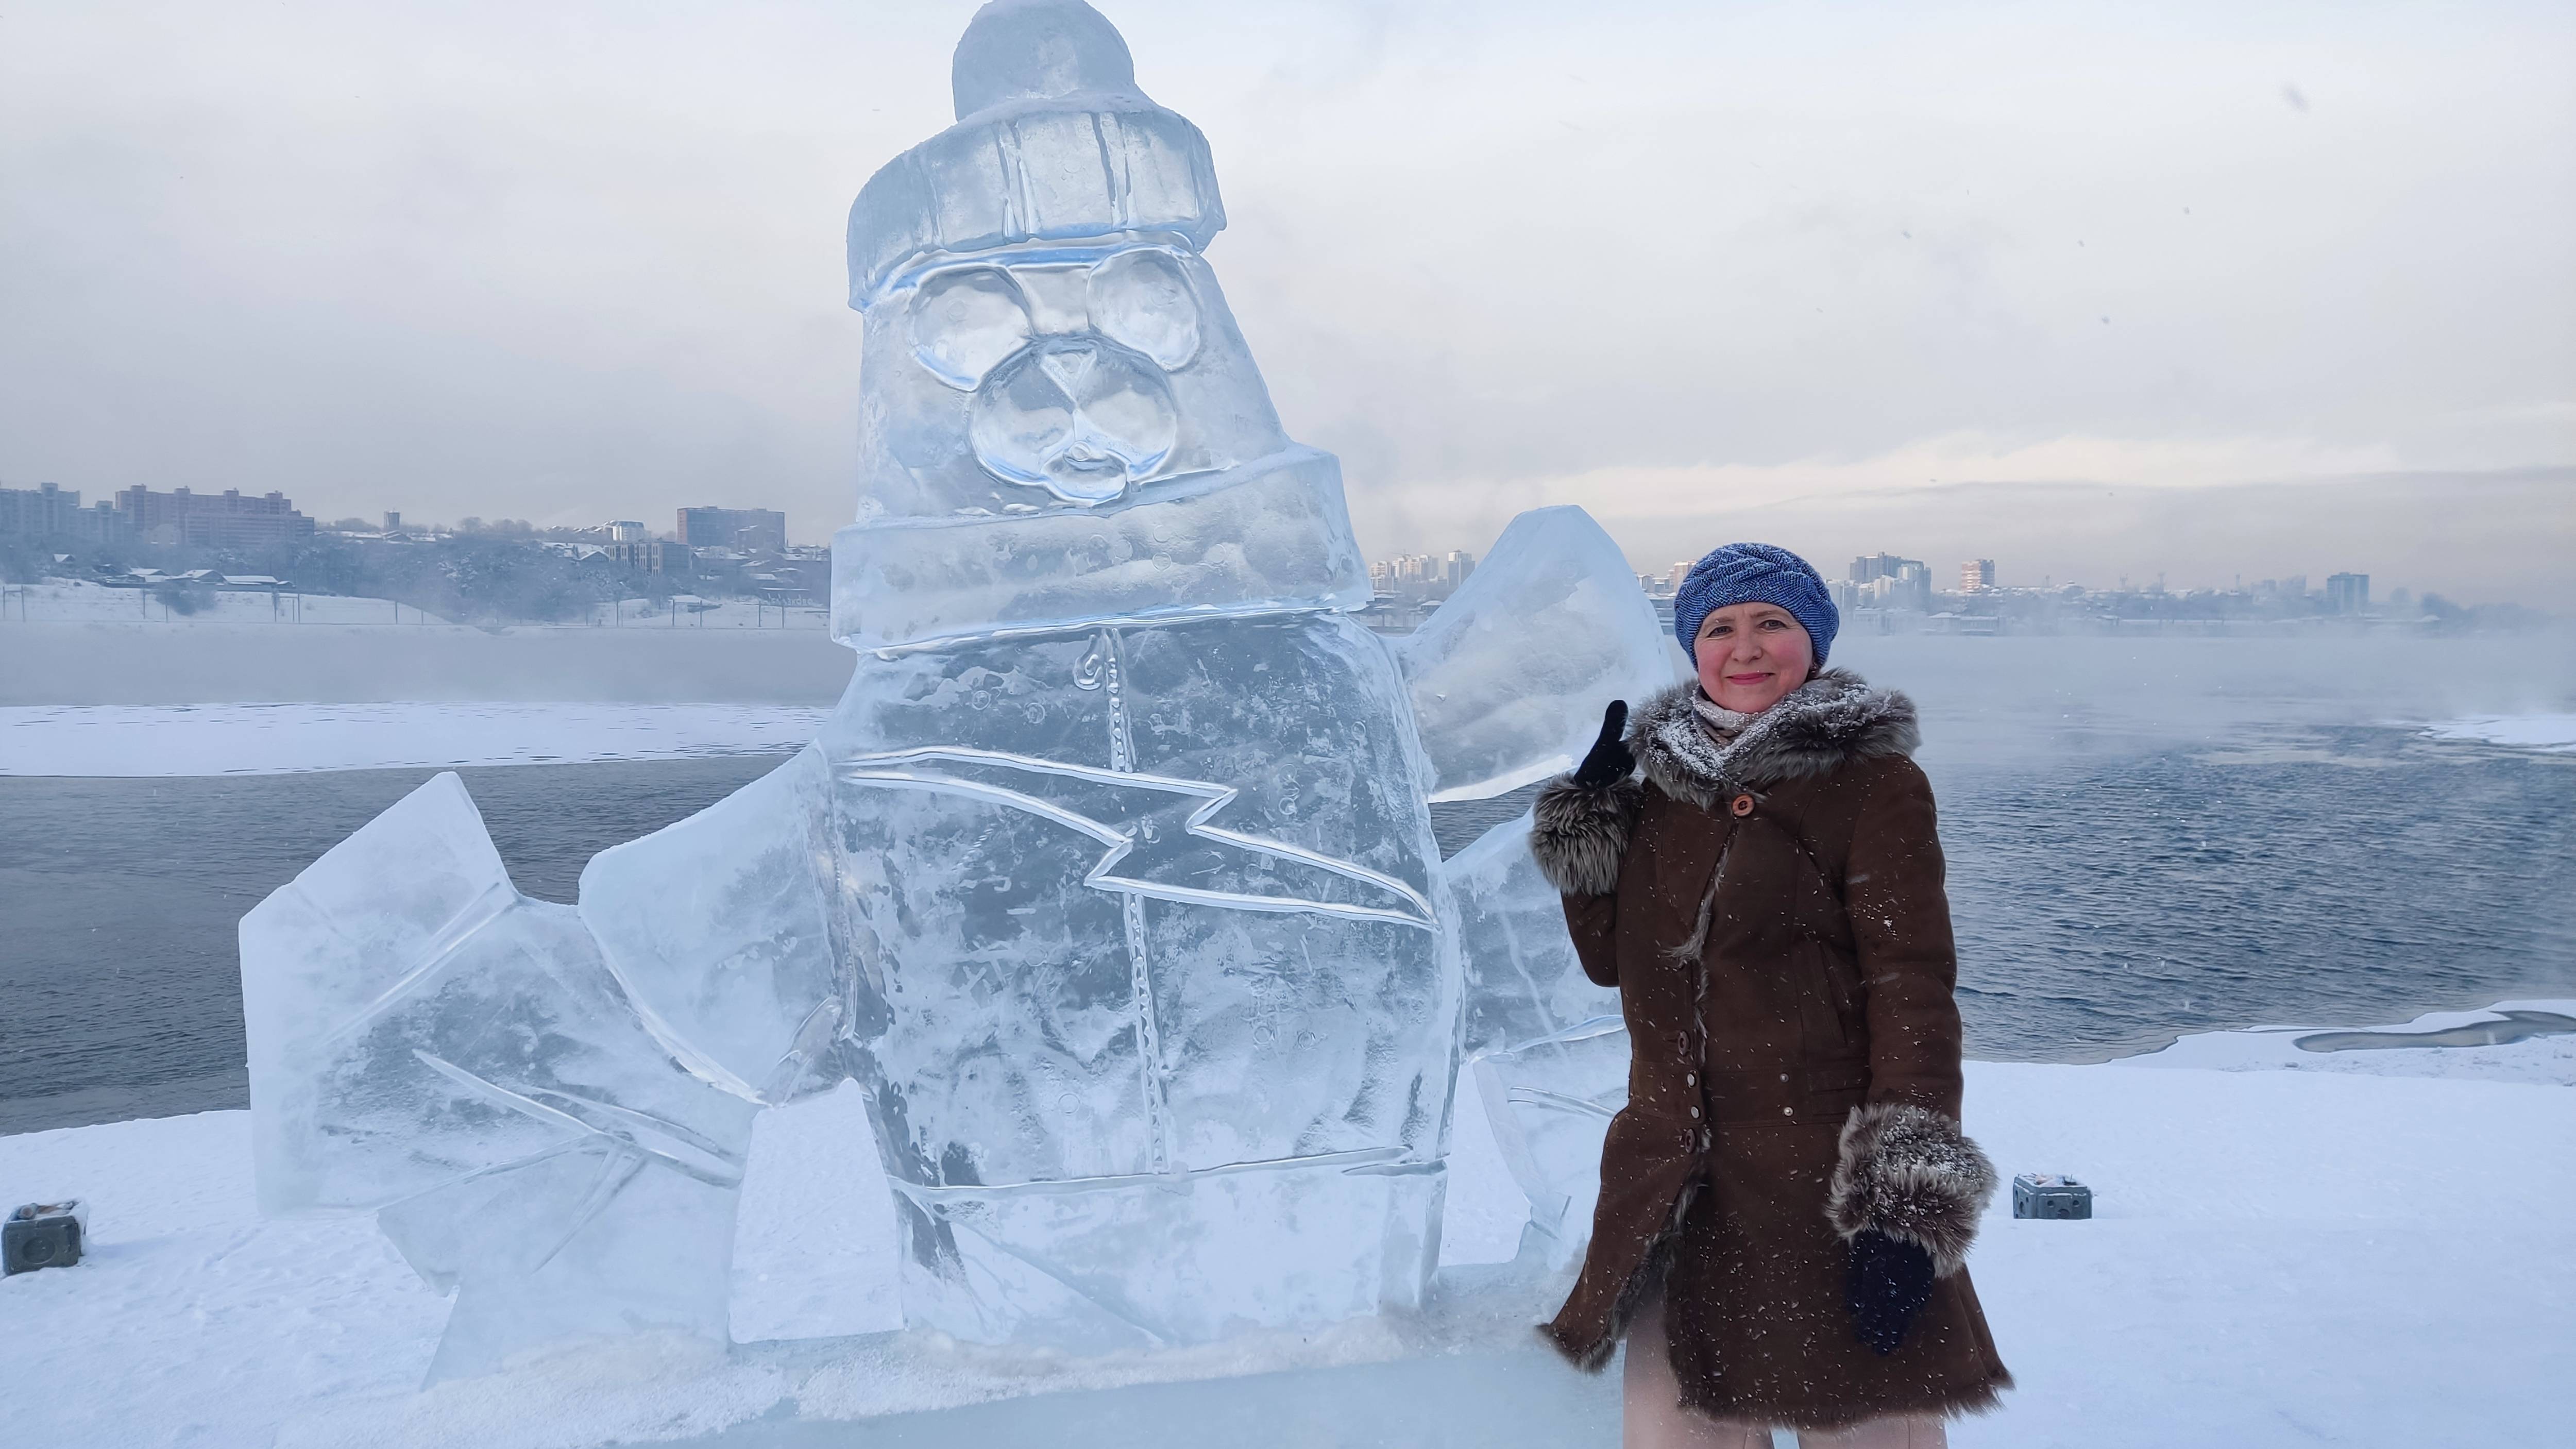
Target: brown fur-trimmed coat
{"type": "Point", "coordinates": [1774, 918]}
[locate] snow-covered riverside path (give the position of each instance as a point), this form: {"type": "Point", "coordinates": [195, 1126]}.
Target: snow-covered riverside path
{"type": "Point", "coordinates": [2368, 1247]}
{"type": "Point", "coordinates": [266, 739]}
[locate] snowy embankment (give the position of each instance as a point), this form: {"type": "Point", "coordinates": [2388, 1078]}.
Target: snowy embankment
{"type": "Point", "coordinates": [260, 739]}
{"type": "Point", "coordinates": [78, 601]}
{"type": "Point", "coordinates": [2365, 1246]}
{"type": "Point", "coordinates": [691, 612]}
{"type": "Point", "coordinates": [2554, 733]}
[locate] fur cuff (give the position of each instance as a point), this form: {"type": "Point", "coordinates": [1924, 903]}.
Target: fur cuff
{"type": "Point", "coordinates": [1910, 1173]}
{"type": "Point", "coordinates": [1578, 835]}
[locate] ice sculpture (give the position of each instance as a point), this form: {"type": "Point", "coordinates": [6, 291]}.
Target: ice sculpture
{"type": "Point", "coordinates": [1547, 1047]}
{"type": "Point", "coordinates": [1501, 702]}
{"type": "Point", "coordinates": [1111, 880]}
{"type": "Point", "coordinates": [1507, 681]}
{"type": "Point", "coordinates": [428, 1042]}
{"type": "Point", "coordinates": [722, 924]}
{"type": "Point", "coordinates": [1523, 982]}
{"type": "Point", "coordinates": [1550, 1103]}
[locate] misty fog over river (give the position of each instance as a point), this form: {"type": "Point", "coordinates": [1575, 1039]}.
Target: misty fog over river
{"type": "Point", "coordinates": [2145, 839]}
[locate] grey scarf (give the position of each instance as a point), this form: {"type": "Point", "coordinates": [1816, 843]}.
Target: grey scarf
{"type": "Point", "coordinates": [1722, 724]}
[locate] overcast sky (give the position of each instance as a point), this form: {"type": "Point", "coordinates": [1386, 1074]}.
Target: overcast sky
{"type": "Point", "coordinates": [1703, 268]}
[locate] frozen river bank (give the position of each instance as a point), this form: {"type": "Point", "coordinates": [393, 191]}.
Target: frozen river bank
{"type": "Point", "coordinates": [112, 741]}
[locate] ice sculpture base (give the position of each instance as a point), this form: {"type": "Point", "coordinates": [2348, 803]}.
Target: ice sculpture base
{"type": "Point", "coordinates": [1160, 1262]}
{"type": "Point", "coordinates": [1490, 1398]}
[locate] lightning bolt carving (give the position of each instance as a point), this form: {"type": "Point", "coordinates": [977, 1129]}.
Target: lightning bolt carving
{"type": "Point", "coordinates": [1155, 827]}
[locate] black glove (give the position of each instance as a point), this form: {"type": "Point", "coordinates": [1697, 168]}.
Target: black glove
{"type": "Point", "coordinates": [1887, 1283]}
{"type": "Point", "coordinates": [1611, 759]}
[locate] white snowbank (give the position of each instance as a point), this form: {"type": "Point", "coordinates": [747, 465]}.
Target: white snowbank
{"type": "Point", "coordinates": [2545, 1054]}
{"type": "Point", "coordinates": [2555, 733]}
{"type": "Point", "coordinates": [260, 739]}
{"type": "Point", "coordinates": [2278, 1257]}
{"type": "Point", "coordinates": [78, 601]}
{"type": "Point", "coordinates": [704, 614]}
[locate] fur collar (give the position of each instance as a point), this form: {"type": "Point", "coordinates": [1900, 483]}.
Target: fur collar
{"type": "Point", "coordinates": [1830, 721]}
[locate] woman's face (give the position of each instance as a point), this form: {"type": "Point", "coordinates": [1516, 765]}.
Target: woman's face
{"type": "Point", "coordinates": [1751, 654]}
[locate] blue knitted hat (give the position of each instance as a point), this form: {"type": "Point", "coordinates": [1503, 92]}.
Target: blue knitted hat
{"type": "Point", "coordinates": [1754, 573]}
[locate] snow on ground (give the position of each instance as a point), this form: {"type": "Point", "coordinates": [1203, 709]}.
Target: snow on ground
{"type": "Point", "coordinates": [2511, 1041]}
{"type": "Point", "coordinates": [690, 612]}
{"type": "Point", "coordinates": [2555, 733]}
{"type": "Point", "coordinates": [77, 601]}
{"type": "Point", "coordinates": [258, 739]}
{"type": "Point", "coordinates": [2279, 1257]}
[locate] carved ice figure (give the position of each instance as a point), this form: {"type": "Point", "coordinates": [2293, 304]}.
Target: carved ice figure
{"type": "Point", "coordinates": [1126, 820]}
{"type": "Point", "coordinates": [1111, 879]}
{"type": "Point", "coordinates": [1509, 676]}
{"type": "Point", "coordinates": [1547, 1048]}
{"type": "Point", "coordinates": [429, 1043]}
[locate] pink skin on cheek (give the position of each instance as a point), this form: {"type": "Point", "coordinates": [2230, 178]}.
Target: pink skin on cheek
{"type": "Point", "coordinates": [1749, 655]}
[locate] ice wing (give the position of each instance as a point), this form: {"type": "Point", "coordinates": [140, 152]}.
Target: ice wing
{"type": "Point", "coordinates": [1523, 981]}
{"type": "Point", "coordinates": [1509, 677]}
{"type": "Point", "coordinates": [720, 929]}
{"type": "Point", "coordinates": [1546, 1047]}
{"type": "Point", "coordinates": [427, 1042]}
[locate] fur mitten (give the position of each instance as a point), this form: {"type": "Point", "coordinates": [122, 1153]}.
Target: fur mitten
{"type": "Point", "coordinates": [1910, 1173]}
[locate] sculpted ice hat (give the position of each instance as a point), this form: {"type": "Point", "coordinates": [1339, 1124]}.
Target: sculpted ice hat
{"type": "Point", "coordinates": [1060, 423]}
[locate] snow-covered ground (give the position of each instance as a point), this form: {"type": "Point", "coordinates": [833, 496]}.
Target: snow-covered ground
{"type": "Point", "coordinates": [78, 601]}
{"type": "Point", "coordinates": [2512, 1041]}
{"type": "Point", "coordinates": [260, 739]}
{"type": "Point", "coordinates": [699, 613]}
{"type": "Point", "coordinates": [2555, 733]}
{"type": "Point", "coordinates": [2372, 1254]}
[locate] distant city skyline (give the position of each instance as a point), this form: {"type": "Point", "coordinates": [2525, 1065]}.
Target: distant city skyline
{"type": "Point", "coordinates": [584, 262]}
{"type": "Point", "coordinates": [180, 515]}
{"type": "Point", "coordinates": [1892, 579]}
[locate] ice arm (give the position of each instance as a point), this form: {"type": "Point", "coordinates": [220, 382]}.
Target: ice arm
{"type": "Point", "coordinates": [1525, 979]}
{"type": "Point", "coordinates": [428, 1042]}
{"type": "Point", "coordinates": [721, 929]}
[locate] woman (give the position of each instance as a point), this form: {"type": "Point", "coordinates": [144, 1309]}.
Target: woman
{"type": "Point", "coordinates": [1787, 1199]}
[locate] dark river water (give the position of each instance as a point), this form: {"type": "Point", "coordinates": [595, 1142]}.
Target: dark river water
{"type": "Point", "coordinates": [2107, 900]}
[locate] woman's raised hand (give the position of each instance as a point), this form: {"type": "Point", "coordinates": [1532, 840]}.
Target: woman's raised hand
{"type": "Point", "coordinates": [1611, 760]}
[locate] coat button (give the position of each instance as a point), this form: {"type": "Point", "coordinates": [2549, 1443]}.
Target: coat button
{"type": "Point", "coordinates": [1691, 1079]}
{"type": "Point", "coordinates": [1788, 1111]}
{"type": "Point", "coordinates": [1694, 1111]}
{"type": "Point", "coordinates": [1742, 807]}
{"type": "Point", "coordinates": [1784, 1076]}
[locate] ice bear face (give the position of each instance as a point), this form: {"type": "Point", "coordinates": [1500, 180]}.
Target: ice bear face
{"type": "Point", "coordinates": [1054, 377]}
{"type": "Point", "coordinates": [1068, 368]}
